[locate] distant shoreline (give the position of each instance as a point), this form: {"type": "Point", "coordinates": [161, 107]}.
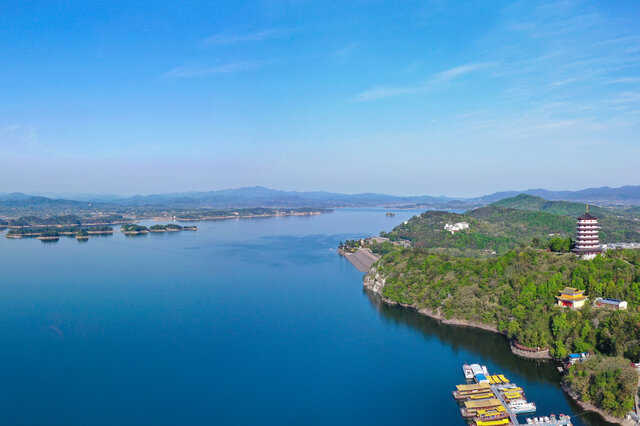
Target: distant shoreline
{"type": "Point", "coordinates": [250, 216]}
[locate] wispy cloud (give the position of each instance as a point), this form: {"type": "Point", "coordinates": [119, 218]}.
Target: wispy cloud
{"type": "Point", "coordinates": [219, 39]}
{"type": "Point", "coordinates": [450, 74]}
{"type": "Point", "coordinates": [626, 98]}
{"type": "Point", "coordinates": [440, 78]}
{"type": "Point", "coordinates": [194, 71]}
{"type": "Point", "coordinates": [625, 80]}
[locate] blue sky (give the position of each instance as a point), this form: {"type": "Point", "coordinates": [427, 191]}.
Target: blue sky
{"type": "Point", "coordinates": [406, 98]}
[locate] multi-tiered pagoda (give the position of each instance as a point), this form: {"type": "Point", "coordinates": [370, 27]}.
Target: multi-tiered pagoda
{"type": "Point", "coordinates": [587, 243]}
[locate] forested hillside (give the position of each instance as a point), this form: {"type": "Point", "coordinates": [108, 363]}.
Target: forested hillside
{"type": "Point", "coordinates": [497, 228]}
{"type": "Point", "coordinates": [516, 293]}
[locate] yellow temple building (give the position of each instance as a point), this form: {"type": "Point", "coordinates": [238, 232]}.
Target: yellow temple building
{"type": "Point", "coordinates": [571, 297]}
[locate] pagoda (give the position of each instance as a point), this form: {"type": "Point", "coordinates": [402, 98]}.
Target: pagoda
{"type": "Point", "coordinates": [587, 243]}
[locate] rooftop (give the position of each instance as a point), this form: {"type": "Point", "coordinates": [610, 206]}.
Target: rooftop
{"type": "Point", "coordinates": [572, 291]}
{"type": "Point", "coordinates": [587, 216]}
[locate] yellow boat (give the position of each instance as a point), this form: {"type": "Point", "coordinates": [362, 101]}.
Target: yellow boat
{"type": "Point", "coordinates": [503, 389]}
{"type": "Point", "coordinates": [493, 402]}
{"type": "Point", "coordinates": [497, 413]}
{"type": "Point", "coordinates": [501, 422]}
{"type": "Point", "coordinates": [512, 396]}
{"type": "Point", "coordinates": [465, 391]}
{"type": "Point", "coordinates": [504, 379]}
{"type": "Point", "coordinates": [484, 395]}
{"type": "Point", "coordinates": [473, 387]}
{"type": "Point", "coordinates": [496, 379]}
{"type": "Point", "coordinates": [472, 408]}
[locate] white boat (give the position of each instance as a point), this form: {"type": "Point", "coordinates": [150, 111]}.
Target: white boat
{"type": "Point", "coordinates": [478, 373]}
{"type": "Point", "coordinates": [521, 406]}
{"type": "Point", "coordinates": [476, 369]}
{"type": "Point", "coordinates": [484, 370]}
{"type": "Point", "coordinates": [468, 373]}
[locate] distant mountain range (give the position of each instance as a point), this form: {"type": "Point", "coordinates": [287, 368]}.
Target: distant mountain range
{"type": "Point", "coordinates": [606, 195]}
{"type": "Point", "coordinates": [563, 208]}
{"type": "Point", "coordinates": [259, 196]}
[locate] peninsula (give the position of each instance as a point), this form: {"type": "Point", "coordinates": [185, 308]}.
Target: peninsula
{"type": "Point", "coordinates": [506, 269]}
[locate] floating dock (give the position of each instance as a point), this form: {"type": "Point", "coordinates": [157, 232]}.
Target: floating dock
{"type": "Point", "coordinates": [494, 401]}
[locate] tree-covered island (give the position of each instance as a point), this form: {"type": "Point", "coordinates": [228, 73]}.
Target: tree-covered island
{"type": "Point", "coordinates": [52, 232]}
{"type": "Point", "coordinates": [504, 271]}
{"type": "Point", "coordinates": [133, 229]}
{"type": "Point", "coordinates": [171, 227]}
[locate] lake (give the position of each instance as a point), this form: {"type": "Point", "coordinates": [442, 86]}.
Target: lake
{"type": "Point", "coordinates": [244, 322]}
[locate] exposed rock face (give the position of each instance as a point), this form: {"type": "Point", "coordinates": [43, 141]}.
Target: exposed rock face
{"type": "Point", "coordinates": [374, 281]}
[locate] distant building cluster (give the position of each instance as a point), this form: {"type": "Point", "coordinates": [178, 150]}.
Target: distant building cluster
{"type": "Point", "coordinates": [379, 240]}
{"type": "Point", "coordinates": [613, 246]}
{"type": "Point", "coordinates": [455, 227]}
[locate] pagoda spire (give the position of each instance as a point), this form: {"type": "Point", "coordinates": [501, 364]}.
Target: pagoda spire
{"type": "Point", "coordinates": [587, 208]}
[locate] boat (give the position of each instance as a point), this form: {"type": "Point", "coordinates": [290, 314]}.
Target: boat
{"type": "Point", "coordinates": [510, 387]}
{"type": "Point", "coordinates": [496, 413]}
{"type": "Point", "coordinates": [484, 370]}
{"type": "Point", "coordinates": [390, 214]}
{"type": "Point", "coordinates": [468, 373]}
{"type": "Point", "coordinates": [466, 391]}
{"type": "Point", "coordinates": [472, 408]}
{"type": "Point", "coordinates": [476, 369]}
{"type": "Point", "coordinates": [479, 395]}
{"type": "Point", "coordinates": [481, 378]}
{"type": "Point", "coordinates": [501, 422]}
{"type": "Point", "coordinates": [479, 373]}
{"type": "Point", "coordinates": [512, 396]}
{"type": "Point", "coordinates": [521, 406]}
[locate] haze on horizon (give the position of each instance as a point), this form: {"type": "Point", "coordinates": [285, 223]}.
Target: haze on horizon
{"type": "Point", "coordinates": [424, 98]}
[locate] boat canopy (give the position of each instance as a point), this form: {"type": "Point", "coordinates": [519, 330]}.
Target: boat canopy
{"type": "Point", "coordinates": [481, 378]}
{"type": "Point", "coordinates": [473, 387]}
{"type": "Point", "coordinates": [476, 369]}
{"type": "Point", "coordinates": [483, 403]}
{"type": "Point", "coordinates": [493, 422]}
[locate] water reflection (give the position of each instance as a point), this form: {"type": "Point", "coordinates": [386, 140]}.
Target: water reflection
{"type": "Point", "coordinates": [489, 346]}
{"type": "Point", "coordinates": [49, 240]}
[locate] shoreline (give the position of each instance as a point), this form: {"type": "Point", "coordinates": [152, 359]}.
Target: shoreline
{"type": "Point", "coordinates": [376, 283]}
{"type": "Point", "coordinates": [590, 407]}
{"type": "Point", "coordinates": [207, 218]}
{"type": "Point", "coordinates": [376, 287]}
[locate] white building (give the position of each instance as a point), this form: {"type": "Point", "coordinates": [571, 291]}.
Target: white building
{"type": "Point", "coordinates": [455, 227]}
{"type": "Point", "coordinates": [610, 303]}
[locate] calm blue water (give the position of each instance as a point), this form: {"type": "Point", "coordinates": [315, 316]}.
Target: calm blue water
{"type": "Point", "coordinates": [254, 321]}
